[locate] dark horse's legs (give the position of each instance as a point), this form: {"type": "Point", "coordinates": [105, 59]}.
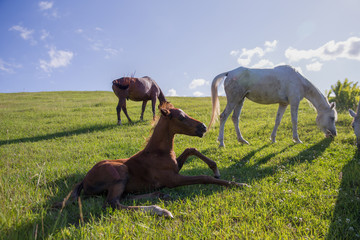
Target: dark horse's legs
{"type": "Point", "coordinates": [125, 111]}
{"type": "Point", "coordinates": [122, 105]}
{"type": "Point", "coordinates": [153, 102]}
{"type": "Point", "coordinates": [118, 109]}
{"type": "Point", "coordinates": [143, 110]}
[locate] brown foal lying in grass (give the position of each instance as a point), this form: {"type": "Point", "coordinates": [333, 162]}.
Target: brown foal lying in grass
{"type": "Point", "coordinates": [153, 168]}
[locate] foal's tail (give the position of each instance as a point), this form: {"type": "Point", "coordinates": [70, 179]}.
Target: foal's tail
{"type": "Point", "coordinates": [214, 97]}
{"type": "Point", "coordinates": [74, 194]}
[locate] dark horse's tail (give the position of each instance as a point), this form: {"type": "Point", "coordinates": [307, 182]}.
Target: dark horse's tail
{"type": "Point", "coordinates": [73, 194]}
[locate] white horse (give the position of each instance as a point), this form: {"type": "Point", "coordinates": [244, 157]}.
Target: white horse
{"type": "Point", "coordinates": [356, 124]}
{"type": "Point", "coordinates": [282, 85]}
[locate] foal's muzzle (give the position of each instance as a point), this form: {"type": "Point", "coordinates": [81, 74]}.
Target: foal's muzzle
{"type": "Point", "coordinates": [200, 130]}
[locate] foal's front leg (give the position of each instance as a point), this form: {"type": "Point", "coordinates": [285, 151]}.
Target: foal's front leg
{"type": "Point", "coordinates": [194, 152]}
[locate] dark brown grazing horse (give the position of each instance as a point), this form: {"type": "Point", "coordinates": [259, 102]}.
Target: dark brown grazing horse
{"type": "Point", "coordinates": [153, 168]}
{"type": "Point", "coordinates": [136, 89]}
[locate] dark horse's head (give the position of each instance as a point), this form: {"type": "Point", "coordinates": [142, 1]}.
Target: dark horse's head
{"type": "Point", "coordinates": [180, 122]}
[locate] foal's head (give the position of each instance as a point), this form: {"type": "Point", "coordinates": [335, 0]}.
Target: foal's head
{"type": "Point", "coordinates": [326, 120]}
{"type": "Point", "coordinates": [180, 122]}
{"type": "Point", "coordinates": [356, 124]}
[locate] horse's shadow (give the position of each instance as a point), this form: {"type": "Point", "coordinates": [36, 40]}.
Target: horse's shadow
{"type": "Point", "coordinates": [345, 223]}
{"type": "Point", "coordinates": [249, 173]}
{"type": "Point", "coordinates": [79, 131]}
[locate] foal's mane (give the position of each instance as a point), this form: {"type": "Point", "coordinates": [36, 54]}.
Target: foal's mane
{"type": "Point", "coordinates": [165, 106]}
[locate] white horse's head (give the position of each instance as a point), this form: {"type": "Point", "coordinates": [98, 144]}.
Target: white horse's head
{"type": "Point", "coordinates": [326, 120]}
{"type": "Point", "coordinates": [356, 124]}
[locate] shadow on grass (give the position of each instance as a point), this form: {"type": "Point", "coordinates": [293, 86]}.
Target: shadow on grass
{"type": "Point", "coordinates": [248, 173]}
{"type": "Point", "coordinates": [345, 223]}
{"type": "Point", "coordinates": [84, 130]}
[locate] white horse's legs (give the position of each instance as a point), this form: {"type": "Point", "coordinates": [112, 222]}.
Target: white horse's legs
{"type": "Point", "coordinates": [235, 119]}
{"type": "Point", "coordinates": [279, 116]}
{"type": "Point", "coordinates": [223, 117]}
{"type": "Point", "coordinates": [294, 120]}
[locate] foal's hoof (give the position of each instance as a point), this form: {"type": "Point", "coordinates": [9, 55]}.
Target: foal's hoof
{"type": "Point", "coordinates": [119, 123]}
{"type": "Point", "coordinates": [161, 212]}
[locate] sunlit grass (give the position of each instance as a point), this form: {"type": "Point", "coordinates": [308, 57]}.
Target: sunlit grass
{"type": "Point", "coordinates": [48, 141]}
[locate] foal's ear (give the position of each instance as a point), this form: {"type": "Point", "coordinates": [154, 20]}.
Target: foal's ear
{"type": "Point", "coordinates": [165, 112]}
{"type": "Point", "coordinates": [352, 113]}
{"type": "Point", "coordinates": [332, 105]}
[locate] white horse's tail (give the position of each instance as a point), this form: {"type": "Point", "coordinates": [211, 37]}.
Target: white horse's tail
{"type": "Point", "coordinates": [214, 97]}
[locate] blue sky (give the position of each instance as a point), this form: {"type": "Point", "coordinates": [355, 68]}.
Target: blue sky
{"type": "Point", "coordinates": [84, 45]}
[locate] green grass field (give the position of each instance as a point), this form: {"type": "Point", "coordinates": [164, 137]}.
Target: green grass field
{"type": "Point", "coordinates": [48, 141]}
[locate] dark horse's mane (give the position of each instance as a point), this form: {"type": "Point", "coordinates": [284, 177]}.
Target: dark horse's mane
{"type": "Point", "coordinates": [119, 85]}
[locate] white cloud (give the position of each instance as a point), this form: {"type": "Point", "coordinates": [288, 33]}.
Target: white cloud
{"type": "Point", "coordinates": [198, 83]}
{"type": "Point", "coordinates": [44, 34]}
{"type": "Point", "coordinates": [58, 58]}
{"type": "Point", "coordinates": [198, 94]}
{"type": "Point", "coordinates": [45, 5]}
{"type": "Point", "coordinates": [244, 61]}
{"type": "Point", "coordinates": [298, 69]}
{"type": "Point", "coordinates": [8, 67]}
{"type": "Point", "coordinates": [270, 46]}
{"type": "Point", "coordinates": [264, 63]}
{"type": "Point", "coordinates": [246, 55]}
{"type": "Point", "coordinates": [111, 52]}
{"type": "Point", "coordinates": [348, 49]}
{"type": "Point", "coordinates": [26, 34]}
{"type": "Point", "coordinates": [79, 30]}
{"type": "Point", "coordinates": [171, 93]}
{"type": "Point", "coordinates": [234, 53]}
{"type": "Point", "coordinates": [316, 66]}
{"type": "Point", "coordinates": [47, 9]}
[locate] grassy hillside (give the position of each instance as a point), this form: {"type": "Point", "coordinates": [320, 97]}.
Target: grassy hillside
{"type": "Point", "coordinates": [48, 141]}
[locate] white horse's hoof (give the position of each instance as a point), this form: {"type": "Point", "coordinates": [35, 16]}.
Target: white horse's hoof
{"type": "Point", "coordinates": [221, 141]}
{"type": "Point", "coordinates": [297, 141]}
{"type": "Point", "coordinates": [244, 141]}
